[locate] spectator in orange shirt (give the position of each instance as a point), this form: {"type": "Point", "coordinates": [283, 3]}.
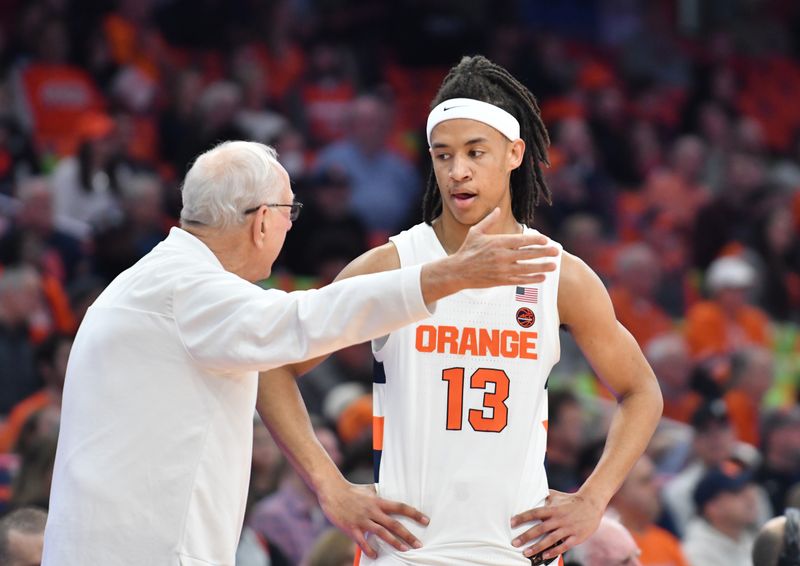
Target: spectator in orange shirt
{"type": "Point", "coordinates": [638, 503]}
{"type": "Point", "coordinates": [669, 357]}
{"type": "Point", "coordinates": [752, 371]}
{"type": "Point", "coordinates": [727, 321]}
{"type": "Point", "coordinates": [633, 293]}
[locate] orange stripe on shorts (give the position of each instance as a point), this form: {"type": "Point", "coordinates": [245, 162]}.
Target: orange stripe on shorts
{"type": "Point", "coordinates": [377, 433]}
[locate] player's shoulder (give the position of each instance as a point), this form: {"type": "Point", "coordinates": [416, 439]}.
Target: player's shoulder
{"type": "Point", "coordinates": [376, 260]}
{"type": "Point", "coordinates": [579, 288]}
{"type": "Point", "coordinates": [574, 273]}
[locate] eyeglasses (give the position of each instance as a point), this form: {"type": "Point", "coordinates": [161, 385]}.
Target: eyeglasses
{"type": "Point", "coordinates": [293, 213]}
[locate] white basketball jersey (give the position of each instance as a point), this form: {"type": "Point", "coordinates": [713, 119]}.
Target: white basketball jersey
{"type": "Point", "coordinates": [460, 425]}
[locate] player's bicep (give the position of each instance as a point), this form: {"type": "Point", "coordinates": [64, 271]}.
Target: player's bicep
{"type": "Point", "coordinates": [376, 260]}
{"type": "Point", "coordinates": [585, 308]}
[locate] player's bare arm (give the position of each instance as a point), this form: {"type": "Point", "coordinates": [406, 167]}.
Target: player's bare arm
{"type": "Point", "coordinates": [585, 308]}
{"type": "Point", "coordinates": [353, 508]}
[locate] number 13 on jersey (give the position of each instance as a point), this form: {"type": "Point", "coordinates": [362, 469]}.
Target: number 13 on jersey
{"type": "Point", "coordinates": [494, 400]}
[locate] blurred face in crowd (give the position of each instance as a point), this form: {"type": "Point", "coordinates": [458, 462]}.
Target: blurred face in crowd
{"type": "Point", "coordinates": [673, 366]}
{"type": "Point", "coordinates": [37, 209]}
{"type": "Point", "coordinates": [472, 163]}
{"type": "Point", "coordinates": [144, 208]}
{"type": "Point", "coordinates": [639, 271]}
{"type": "Point", "coordinates": [638, 498]}
{"type": "Point", "coordinates": [714, 124]}
{"type": "Point", "coordinates": [689, 157]}
{"type": "Point", "coordinates": [25, 549]}
{"type": "Point", "coordinates": [731, 298]}
{"type": "Point", "coordinates": [22, 299]}
{"type": "Point", "coordinates": [714, 443]}
{"type": "Point", "coordinates": [745, 174]}
{"type": "Point", "coordinates": [783, 448]}
{"type": "Point", "coordinates": [757, 376]}
{"type": "Point", "coordinates": [733, 512]}
{"type": "Point", "coordinates": [611, 545]}
{"type": "Point", "coordinates": [780, 229]}
{"type": "Point", "coordinates": [370, 123]}
{"type": "Point", "coordinates": [575, 139]}
{"type": "Point", "coordinates": [567, 430]}
{"type": "Point", "coordinates": [333, 198]}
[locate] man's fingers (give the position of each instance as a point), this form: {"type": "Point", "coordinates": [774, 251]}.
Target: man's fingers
{"type": "Point", "coordinates": [551, 539]}
{"type": "Point", "coordinates": [398, 531]}
{"type": "Point", "coordinates": [484, 225]}
{"type": "Point", "coordinates": [361, 541]}
{"type": "Point", "coordinates": [385, 535]}
{"type": "Point", "coordinates": [523, 254]}
{"type": "Point", "coordinates": [526, 268]}
{"type": "Point", "coordinates": [520, 240]}
{"type": "Point", "coordinates": [397, 508]}
{"type": "Point", "coordinates": [521, 279]}
{"type": "Point", "coordinates": [538, 514]}
{"type": "Point", "coordinates": [565, 545]}
{"type": "Point", "coordinates": [534, 532]}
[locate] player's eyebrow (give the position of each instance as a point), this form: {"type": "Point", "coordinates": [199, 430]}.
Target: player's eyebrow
{"type": "Point", "coordinates": [473, 141]}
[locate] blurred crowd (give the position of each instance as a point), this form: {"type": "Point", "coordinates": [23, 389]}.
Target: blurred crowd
{"type": "Point", "coordinates": [674, 167]}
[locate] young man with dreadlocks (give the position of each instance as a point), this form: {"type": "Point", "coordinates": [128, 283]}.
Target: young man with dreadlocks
{"type": "Point", "coordinates": [460, 399]}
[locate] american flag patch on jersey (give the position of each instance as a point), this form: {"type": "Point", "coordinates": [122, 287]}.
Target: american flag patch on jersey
{"type": "Point", "coordinates": [527, 295]}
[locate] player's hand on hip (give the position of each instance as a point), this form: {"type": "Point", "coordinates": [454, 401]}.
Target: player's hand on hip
{"type": "Point", "coordinates": [566, 520]}
{"type": "Point", "coordinates": [357, 510]}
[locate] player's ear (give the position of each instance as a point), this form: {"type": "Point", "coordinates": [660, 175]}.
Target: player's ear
{"type": "Point", "coordinates": [516, 151]}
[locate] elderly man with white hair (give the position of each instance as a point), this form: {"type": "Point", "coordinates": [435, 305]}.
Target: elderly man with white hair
{"type": "Point", "coordinates": [155, 444]}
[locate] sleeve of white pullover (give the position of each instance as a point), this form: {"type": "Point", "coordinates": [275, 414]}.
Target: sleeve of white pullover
{"type": "Point", "coordinates": [228, 324]}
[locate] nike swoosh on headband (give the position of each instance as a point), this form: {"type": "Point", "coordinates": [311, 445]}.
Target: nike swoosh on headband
{"type": "Point", "coordinates": [471, 109]}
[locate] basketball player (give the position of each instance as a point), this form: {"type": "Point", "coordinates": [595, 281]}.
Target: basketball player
{"type": "Point", "coordinates": [460, 399]}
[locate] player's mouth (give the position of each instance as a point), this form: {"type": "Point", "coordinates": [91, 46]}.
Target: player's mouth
{"type": "Point", "coordinates": [462, 199]}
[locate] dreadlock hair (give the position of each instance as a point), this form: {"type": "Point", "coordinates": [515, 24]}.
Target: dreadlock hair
{"type": "Point", "coordinates": [480, 79]}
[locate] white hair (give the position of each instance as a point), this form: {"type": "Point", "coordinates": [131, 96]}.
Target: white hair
{"type": "Point", "coordinates": [227, 180]}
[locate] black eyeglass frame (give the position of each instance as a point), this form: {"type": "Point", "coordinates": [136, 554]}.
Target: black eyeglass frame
{"type": "Point", "coordinates": [294, 213]}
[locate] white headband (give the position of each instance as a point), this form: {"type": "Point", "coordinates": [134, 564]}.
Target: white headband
{"type": "Point", "coordinates": [478, 110]}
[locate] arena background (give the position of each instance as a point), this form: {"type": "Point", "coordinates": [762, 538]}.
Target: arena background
{"type": "Point", "coordinates": [674, 167]}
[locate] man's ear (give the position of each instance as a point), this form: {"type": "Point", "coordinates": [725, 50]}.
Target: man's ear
{"type": "Point", "coordinates": [516, 151]}
{"type": "Point", "coordinates": [259, 227]}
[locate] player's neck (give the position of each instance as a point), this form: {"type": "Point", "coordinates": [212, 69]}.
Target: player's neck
{"type": "Point", "coordinates": [451, 233]}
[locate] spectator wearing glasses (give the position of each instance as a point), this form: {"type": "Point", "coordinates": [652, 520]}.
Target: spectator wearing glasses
{"type": "Point", "coordinates": [156, 433]}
